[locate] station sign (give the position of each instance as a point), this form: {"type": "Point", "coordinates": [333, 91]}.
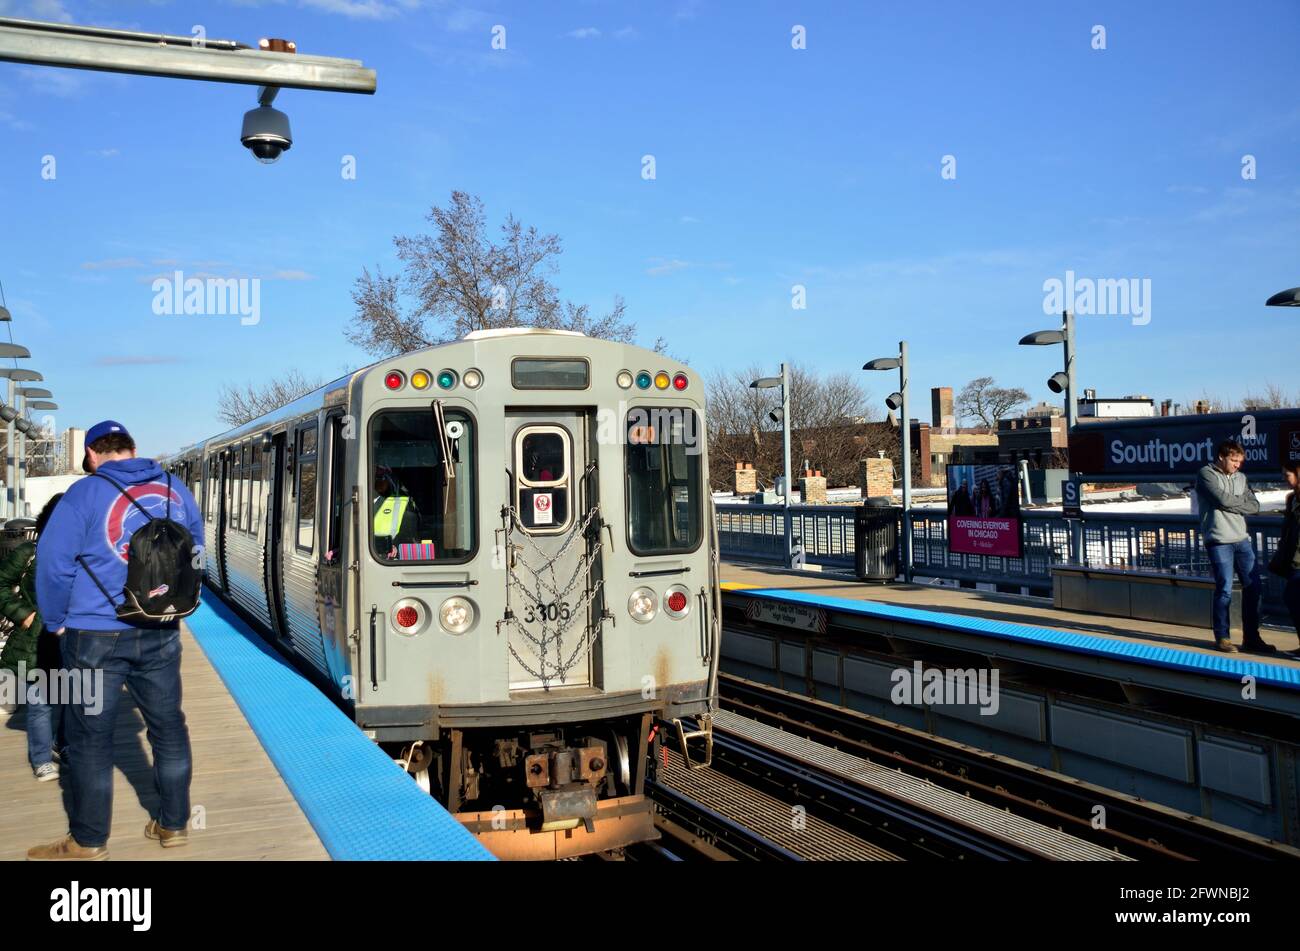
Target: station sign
{"type": "Point", "coordinates": [1072, 498]}
{"type": "Point", "coordinates": [1174, 448]}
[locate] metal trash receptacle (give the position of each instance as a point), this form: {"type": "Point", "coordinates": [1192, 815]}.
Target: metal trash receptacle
{"type": "Point", "coordinates": [15, 532]}
{"type": "Point", "coordinates": [875, 540]}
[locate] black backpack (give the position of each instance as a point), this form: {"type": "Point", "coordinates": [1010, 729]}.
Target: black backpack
{"type": "Point", "coordinates": [162, 583]}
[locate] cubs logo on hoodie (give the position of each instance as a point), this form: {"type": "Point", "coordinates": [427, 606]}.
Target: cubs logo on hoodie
{"type": "Point", "coordinates": [124, 519]}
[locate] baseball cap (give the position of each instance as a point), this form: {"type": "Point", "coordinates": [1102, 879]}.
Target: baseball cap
{"type": "Point", "coordinates": [107, 428]}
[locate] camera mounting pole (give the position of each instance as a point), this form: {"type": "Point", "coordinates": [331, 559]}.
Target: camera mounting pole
{"type": "Point", "coordinates": [275, 64]}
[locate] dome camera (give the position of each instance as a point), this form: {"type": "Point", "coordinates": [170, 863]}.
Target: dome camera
{"type": "Point", "coordinates": [266, 133]}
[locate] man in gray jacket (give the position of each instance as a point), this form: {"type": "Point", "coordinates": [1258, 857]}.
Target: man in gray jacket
{"type": "Point", "coordinates": [1225, 500]}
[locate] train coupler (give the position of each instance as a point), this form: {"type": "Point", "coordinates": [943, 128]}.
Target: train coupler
{"type": "Point", "coordinates": [705, 733]}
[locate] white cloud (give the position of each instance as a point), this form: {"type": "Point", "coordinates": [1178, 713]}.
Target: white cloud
{"type": "Point", "coordinates": [112, 264]}
{"type": "Point", "coordinates": [36, 10]}
{"type": "Point", "coordinates": [666, 266]}
{"type": "Point", "coordinates": [625, 33]}
{"type": "Point", "coordinates": [584, 33]}
{"type": "Point", "coordinates": [689, 220]}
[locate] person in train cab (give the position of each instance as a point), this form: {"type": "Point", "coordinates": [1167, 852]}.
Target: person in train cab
{"type": "Point", "coordinates": [396, 516]}
{"type": "Point", "coordinates": [83, 555]}
{"type": "Point", "coordinates": [32, 647]}
{"type": "Point", "coordinates": [1286, 561]}
{"type": "Point", "coordinates": [1225, 499]}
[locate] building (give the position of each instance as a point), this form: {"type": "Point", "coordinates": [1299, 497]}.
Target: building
{"type": "Point", "coordinates": [947, 443]}
{"type": "Point", "coordinates": [1092, 407]}
{"type": "Point", "coordinates": [1040, 440]}
{"type": "Point", "coordinates": [73, 443]}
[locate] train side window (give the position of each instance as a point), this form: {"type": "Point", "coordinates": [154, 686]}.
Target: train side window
{"type": "Point", "coordinates": [306, 482]}
{"type": "Point", "coordinates": [542, 483]}
{"type": "Point", "coordinates": [255, 482]}
{"type": "Point", "coordinates": [232, 488]}
{"type": "Point", "coordinates": [336, 489]}
{"type": "Point", "coordinates": [664, 488]}
{"type": "Point", "coordinates": [213, 495]}
{"type": "Point", "coordinates": [246, 481]}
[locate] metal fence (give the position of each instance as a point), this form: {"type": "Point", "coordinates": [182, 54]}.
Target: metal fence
{"type": "Point", "coordinates": [1169, 543]}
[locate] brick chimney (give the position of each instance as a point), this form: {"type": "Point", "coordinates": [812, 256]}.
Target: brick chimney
{"type": "Point", "coordinates": [941, 416]}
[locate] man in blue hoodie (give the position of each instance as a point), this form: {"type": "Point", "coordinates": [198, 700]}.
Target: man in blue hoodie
{"type": "Point", "coordinates": [93, 526]}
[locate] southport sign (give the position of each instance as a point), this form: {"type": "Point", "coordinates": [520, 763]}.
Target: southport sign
{"type": "Point", "coordinates": [1173, 448]}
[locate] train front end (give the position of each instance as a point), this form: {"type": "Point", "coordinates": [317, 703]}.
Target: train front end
{"type": "Point", "coordinates": [537, 587]}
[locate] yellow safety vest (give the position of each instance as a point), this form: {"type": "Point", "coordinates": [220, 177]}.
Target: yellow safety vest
{"type": "Point", "coordinates": [388, 517]}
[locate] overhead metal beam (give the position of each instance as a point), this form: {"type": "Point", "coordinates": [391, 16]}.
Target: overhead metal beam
{"type": "Point", "coordinates": [221, 61]}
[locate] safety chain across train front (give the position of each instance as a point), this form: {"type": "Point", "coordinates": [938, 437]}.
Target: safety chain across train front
{"type": "Point", "coordinates": [550, 640]}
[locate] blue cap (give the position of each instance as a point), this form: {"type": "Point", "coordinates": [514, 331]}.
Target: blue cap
{"type": "Point", "coordinates": [100, 430]}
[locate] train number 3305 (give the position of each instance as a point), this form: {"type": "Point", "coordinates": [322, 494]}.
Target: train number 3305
{"type": "Point", "coordinates": [554, 611]}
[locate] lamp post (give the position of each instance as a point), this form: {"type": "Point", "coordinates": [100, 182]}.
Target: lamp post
{"type": "Point", "coordinates": [12, 416]}
{"type": "Point", "coordinates": [1063, 382]}
{"type": "Point", "coordinates": [898, 401]}
{"type": "Point", "coordinates": [793, 558]}
{"type": "Point", "coordinates": [1287, 298]}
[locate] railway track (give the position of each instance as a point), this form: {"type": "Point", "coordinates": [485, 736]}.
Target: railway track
{"type": "Point", "coordinates": [1131, 826]}
{"type": "Point", "coordinates": [771, 795]}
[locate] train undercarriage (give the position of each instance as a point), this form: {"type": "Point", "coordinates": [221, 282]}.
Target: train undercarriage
{"type": "Point", "coordinates": [552, 792]}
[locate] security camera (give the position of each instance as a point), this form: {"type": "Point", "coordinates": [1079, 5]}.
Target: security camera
{"type": "Point", "coordinates": [894, 400]}
{"type": "Point", "coordinates": [455, 430]}
{"type": "Point", "coordinates": [266, 133]}
{"type": "Point", "coordinates": [1057, 382]}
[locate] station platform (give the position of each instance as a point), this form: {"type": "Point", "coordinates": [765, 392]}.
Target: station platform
{"type": "Point", "coordinates": [1032, 631]}
{"type": "Point", "coordinates": [1146, 708]}
{"type": "Point", "coordinates": [279, 771]}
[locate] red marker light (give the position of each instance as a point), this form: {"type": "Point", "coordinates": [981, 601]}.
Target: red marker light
{"type": "Point", "coordinates": [676, 602]}
{"type": "Point", "coordinates": [394, 380]}
{"type": "Point", "coordinates": [407, 617]}
{"type": "Point", "coordinates": [680, 381]}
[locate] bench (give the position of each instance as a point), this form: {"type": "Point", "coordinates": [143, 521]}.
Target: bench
{"type": "Point", "coordinates": [1186, 600]}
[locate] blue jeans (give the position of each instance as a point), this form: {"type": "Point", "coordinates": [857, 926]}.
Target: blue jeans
{"type": "Point", "coordinates": [148, 662]}
{"type": "Point", "coordinates": [1224, 560]}
{"type": "Point", "coordinates": [41, 718]}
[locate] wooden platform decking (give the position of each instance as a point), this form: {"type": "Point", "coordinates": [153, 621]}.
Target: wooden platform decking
{"type": "Point", "coordinates": [1004, 607]}
{"type": "Point", "coordinates": [247, 811]}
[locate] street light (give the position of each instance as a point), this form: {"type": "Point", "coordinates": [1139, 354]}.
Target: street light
{"type": "Point", "coordinates": [898, 401]}
{"type": "Point", "coordinates": [1063, 382]}
{"type": "Point", "coordinates": [35, 391]}
{"type": "Point", "coordinates": [12, 414]}
{"type": "Point", "coordinates": [1286, 298]}
{"type": "Point", "coordinates": [793, 559]}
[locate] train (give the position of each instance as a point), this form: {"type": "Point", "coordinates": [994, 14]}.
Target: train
{"type": "Point", "coordinates": [499, 556]}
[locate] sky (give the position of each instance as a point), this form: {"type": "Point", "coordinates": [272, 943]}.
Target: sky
{"type": "Point", "coordinates": [921, 170]}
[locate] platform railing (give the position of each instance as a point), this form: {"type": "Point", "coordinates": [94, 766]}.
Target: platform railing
{"type": "Point", "coordinates": [1164, 543]}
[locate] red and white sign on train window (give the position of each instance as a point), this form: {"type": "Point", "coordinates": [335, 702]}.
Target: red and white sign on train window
{"type": "Point", "coordinates": [542, 508]}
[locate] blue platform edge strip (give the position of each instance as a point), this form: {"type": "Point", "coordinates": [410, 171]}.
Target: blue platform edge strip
{"type": "Point", "coordinates": [360, 803]}
{"type": "Point", "coordinates": [1224, 666]}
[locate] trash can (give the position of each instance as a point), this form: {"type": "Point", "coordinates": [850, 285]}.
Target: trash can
{"type": "Point", "coordinates": [15, 532]}
{"type": "Point", "coordinates": [875, 540]}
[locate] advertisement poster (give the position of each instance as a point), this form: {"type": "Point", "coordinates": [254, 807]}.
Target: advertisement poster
{"type": "Point", "coordinates": [984, 511]}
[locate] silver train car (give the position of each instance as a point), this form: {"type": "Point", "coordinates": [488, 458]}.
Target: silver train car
{"type": "Point", "coordinates": [499, 555]}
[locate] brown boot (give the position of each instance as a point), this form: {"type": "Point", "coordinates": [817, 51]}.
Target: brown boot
{"type": "Point", "coordinates": [1226, 646]}
{"type": "Point", "coordinates": [167, 838]}
{"type": "Point", "coordinates": [66, 848]}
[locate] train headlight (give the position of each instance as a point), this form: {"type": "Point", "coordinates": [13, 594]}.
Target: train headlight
{"type": "Point", "coordinates": [625, 379]}
{"type": "Point", "coordinates": [643, 605]}
{"type": "Point", "coordinates": [677, 601]}
{"type": "Point", "coordinates": [410, 616]}
{"type": "Point", "coordinates": [456, 615]}
{"type": "Point", "coordinates": [473, 379]}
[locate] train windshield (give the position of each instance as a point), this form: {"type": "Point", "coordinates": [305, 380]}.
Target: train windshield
{"type": "Point", "coordinates": [421, 501]}
{"type": "Point", "coordinates": [664, 490]}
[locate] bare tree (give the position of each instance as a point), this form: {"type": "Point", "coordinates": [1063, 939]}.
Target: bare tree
{"type": "Point", "coordinates": [239, 405]}
{"type": "Point", "coordinates": [983, 400]}
{"type": "Point", "coordinates": [459, 280]}
{"type": "Point", "coordinates": [1273, 397]}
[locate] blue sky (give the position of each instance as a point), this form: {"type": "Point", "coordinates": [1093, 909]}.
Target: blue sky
{"type": "Point", "coordinates": [774, 167]}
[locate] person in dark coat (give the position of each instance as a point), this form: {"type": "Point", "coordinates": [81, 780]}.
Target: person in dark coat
{"type": "Point", "coordinates": [1286, 562]}
{"type": "Point", "coordinates": [31, 648]}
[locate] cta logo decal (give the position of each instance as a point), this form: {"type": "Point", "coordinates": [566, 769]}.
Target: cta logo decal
{"type": "Point", "coordinates": [124, 519]}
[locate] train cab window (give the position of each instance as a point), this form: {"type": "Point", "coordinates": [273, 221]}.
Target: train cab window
{"type": "Point", "coordinates": [664, 489]}
{"type": "Point", "coordinates": [542, 483]}
{"type": "Point", "coordinates": [422, 486]}
{"type": "Point", "coordinates": [305, 460]}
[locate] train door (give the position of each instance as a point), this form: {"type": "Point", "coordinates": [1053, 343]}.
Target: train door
{"type": "Point", "coordinates": [553, 542]}
{"type": "Point", "coordinates": [330, 603]}
{"type": "Point", "coordinates": [277, 468]}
